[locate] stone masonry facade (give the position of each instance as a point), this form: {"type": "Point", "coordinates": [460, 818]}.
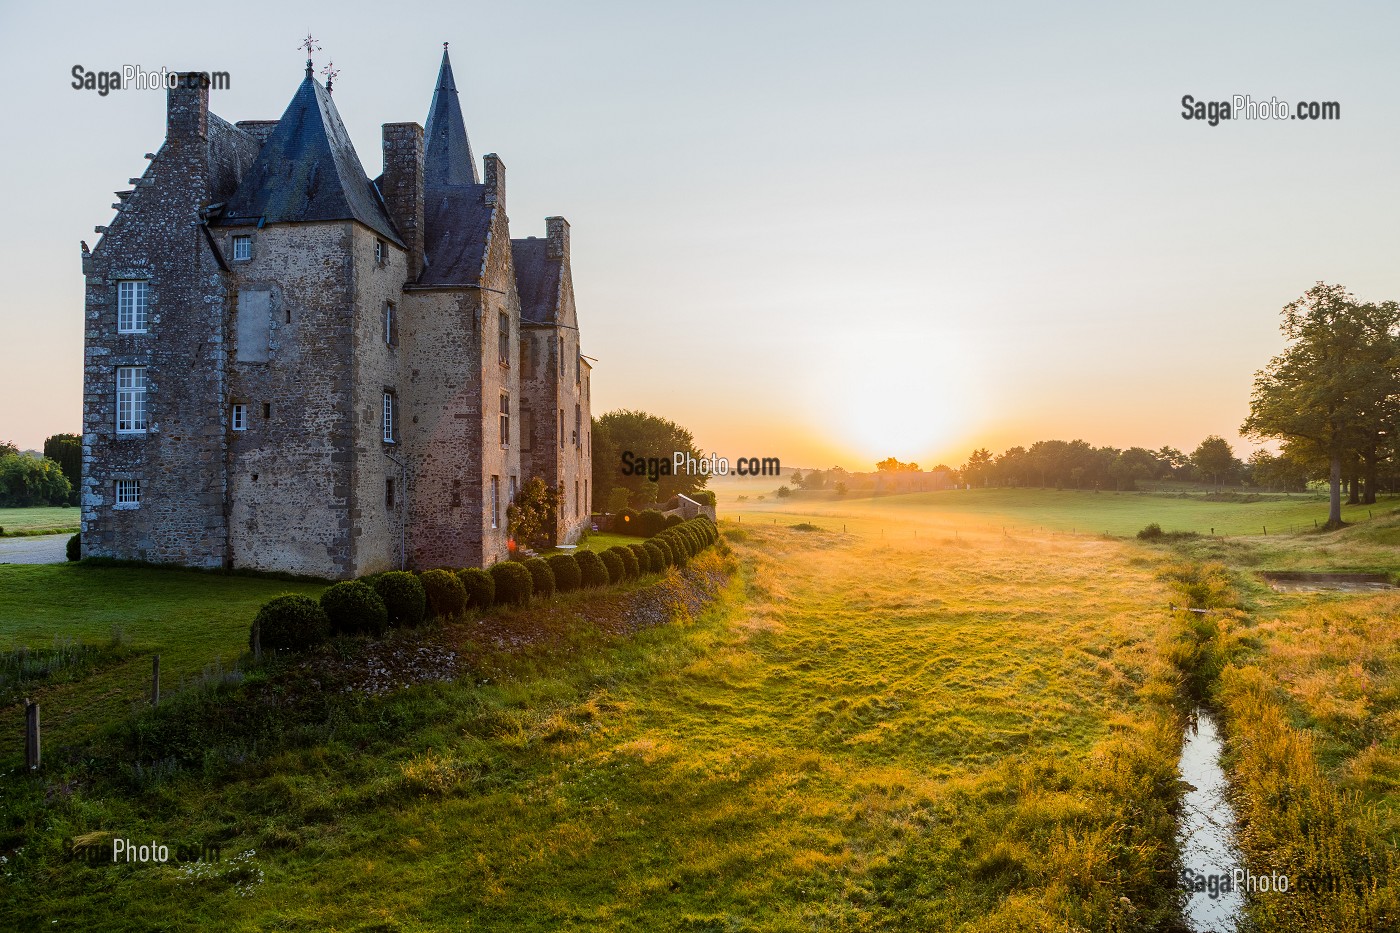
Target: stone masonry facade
{"type": "Point", "coordinates": [292, 367]}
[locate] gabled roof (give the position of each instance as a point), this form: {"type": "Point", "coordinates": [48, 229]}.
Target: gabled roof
{"type": "Point", "coordinates": [448, 158]}
{"type": "Point", "coordinates": [307, 170]}
{"type": "Point", "coordinates": [536, 280]}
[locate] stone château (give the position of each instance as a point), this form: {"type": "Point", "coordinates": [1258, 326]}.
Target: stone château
{"type": "Point", "coordinates": [292, 367]}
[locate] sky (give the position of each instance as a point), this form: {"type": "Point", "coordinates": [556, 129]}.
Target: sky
{"type": "Point", "coordinates": [827, 232]}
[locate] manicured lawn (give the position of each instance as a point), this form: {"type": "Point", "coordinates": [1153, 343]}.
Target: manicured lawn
{"type": "Point", "coordinates": [191, 619]}
{"type": "Point", "coordinates": [40, 518]}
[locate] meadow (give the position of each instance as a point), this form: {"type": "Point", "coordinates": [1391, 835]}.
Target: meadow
{"type": "Point", "coordinates": [949, 727]}
{"type": "Point", "coordinates": [39, 520]}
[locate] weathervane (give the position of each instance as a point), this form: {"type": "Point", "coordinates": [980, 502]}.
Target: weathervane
{"type": "Point", "coordinates": [310, 45]}
{"type": "Point", "coordinates": [330, 73]}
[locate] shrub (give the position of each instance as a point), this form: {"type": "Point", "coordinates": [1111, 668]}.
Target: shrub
{"type": "Point", "coordinates": [75, 547]}
{"type": "Point", "coordinates": [672, 520]}
{"type": "Point", "coordinates": [354, 608]}
{"type": "Point", "coordinates": [403, 596]}
{"type": "Point", "coordinates": [541, 576]}
{"type": "Point", "coordinates": [447, 597]}
{"type": "Point", "coordinates": [703, 496]}
{"type": "Point", "coordinates": [627, 523]}
{"type": "Point", "coordinates": [656, 557]}
{"type": "Point", "coordinates": [651, 522]}
{"type": "Point", "coordinates": [1151, 533]}
{"type": "Point", "coordinates": [567, 575]}
{"type": "Point", "coordinates": [630, 569]}
{"type": "Point", "coordinates": [289, 623]}
{"type": "Point", "coordinates": [480, 587]}
{"type": "Point", "coordinates": [616, 572]}
{"type": "Point", "coordinates": [663, 547]}
{"type": "Point", "coordinates": [514, 585]}
{"type": "Point", "coordinates": [591, 568]}
{"type": "Point", "coordinates": [639, 551]}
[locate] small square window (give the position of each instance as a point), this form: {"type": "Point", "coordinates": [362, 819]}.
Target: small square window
{"type": "Point", "coordinates": [239, 420]}
{"type": "Point", "coordinates": [132, 297]}
{"type": "Point", "coordinates": [128, 493]}
{"type": "Point", "coordinates": [242, 248]}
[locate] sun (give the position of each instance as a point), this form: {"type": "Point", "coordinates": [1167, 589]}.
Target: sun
{"type": "Point", "coordinates": [900, 395]}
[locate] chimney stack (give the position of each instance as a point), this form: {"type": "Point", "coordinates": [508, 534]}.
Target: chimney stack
{"type": "Point", "coordinates": [187, 108]}
{"type": "Point", "coordinates": [495, 181]}
{"type": "Point", "coordinates": [558, 231]}
{"type": "Point", "coordinates": [403, 188]}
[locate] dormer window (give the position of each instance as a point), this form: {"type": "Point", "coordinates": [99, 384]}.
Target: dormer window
{"type": "Point", "coordinates": [131, 306]}
{"type": "Point", "coordinates": [242, 248]}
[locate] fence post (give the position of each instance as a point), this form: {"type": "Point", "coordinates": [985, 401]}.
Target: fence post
{"type": "Point", "coordinates": [31, 735]}
{"type": "Point", "coordinates": [155, 680]}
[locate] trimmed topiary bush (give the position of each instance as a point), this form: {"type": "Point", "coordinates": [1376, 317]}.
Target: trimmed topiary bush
{"type": "Point", "coordinates": [639, 551]}
{"type": "Point", "coordinates": [354, 608]}
{"type": "Point", "coordinates": [662, 549]}
{"type": "Point", "coordinates": [447, 597]}
{"type": "Point", "coordinates": [616, 572]}
{"type": "Point", "coordinates": [651, 522]}
{"type": "Point", "coordinates": [567, 576]}
{"type": "Point", "coordinates": [627, 523]}
{"type": "Point", "coordinates": [403, 595]}
{"type": "Point", "coordinates": [630, 570]}
{"type": "Point", "coordinates": [514, 585]}
{"type": "Point", "coordinates": [291, 622]}
{"type": "Point", "coordinates": [672, 520]}
{"type": "Point", "coordinates": [541, 576]}
{"type": "Point", "coordinates": [75, 547]}
{"type": "Point", "coordinates": [480, 587]}
{"type": "Point", "coordinates": [591, 568]}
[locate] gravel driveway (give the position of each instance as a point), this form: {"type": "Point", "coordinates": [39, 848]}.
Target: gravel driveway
{"type": "Point", "coordinates": [44, 549]}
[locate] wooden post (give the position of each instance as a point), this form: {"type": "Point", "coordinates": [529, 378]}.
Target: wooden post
{"type": "Point", "coordinates": [155, 680]}
{"type": "Point", "coordinates": [31, 735]}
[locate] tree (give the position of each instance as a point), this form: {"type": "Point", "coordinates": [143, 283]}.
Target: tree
{"type": "Point", "coordinates": [7, 448]}
{"type": "Point", "coordinates": [645, 441]}
{"type": "Point", "coordinates": [27, 480]}
{"type": "Point", "coordinates": [1335, 385]}
{"type": "Point", "coordinates": [840, 488]}
{"type": "Point", "coordinates": [67, 451]}
{"type": "Point", "coordinates": [1215, 458]}
{"type": "Point", "coordinates": [815, 479]}
{"type": "Point", "coordinates": [978, 468]}
{"type": "Point", "coordinates": [618, 499]}
{"type": "Point", "coordinates": [1277, 472]}
{"type": "Point", "coordinates": [530, 519]}
{"type": "Point", "coordinates": [797, 479]}
{"type": "Point", "coordinates": [893, 465]}
{"type": "Point", "coordinates": [784, 492]}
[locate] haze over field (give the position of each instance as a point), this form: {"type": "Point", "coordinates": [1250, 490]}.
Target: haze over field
{"type": "Point", "coordinates": [911, 231]}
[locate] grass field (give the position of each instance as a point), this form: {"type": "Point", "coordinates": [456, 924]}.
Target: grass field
{"type": "Point", "coordinates": [1029, 511]}
{"type": "Point", "coordinates": [39, 520]}
{"type": "Point", "coordinates": [967, 730]}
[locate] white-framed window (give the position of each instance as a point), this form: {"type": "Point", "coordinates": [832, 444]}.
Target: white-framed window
{"type": "Point", "coordinates": [505, 419]}
{"type": "Point", "coordinates": [503, 338]}
{"type": "Point", "coordinates": [128, 493]}
{"type": "Point", "coordinates": [131, 400]}
{"type": "Point", "coordinates": [391, 325]}
{"type": "Point", "coordinates": [379, 251]}
{"type": "Point", "coordinates": [389, 417]}
{"type": "Point", "coordinates": [242, 248]}
{"type": "Point", "coordinates": [238, 419]}
{"type": "Point", "coordinates": [495, 501]}
{"type": "Point", "coordinates": [132, 295]}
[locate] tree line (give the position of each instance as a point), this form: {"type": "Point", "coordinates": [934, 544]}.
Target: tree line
{"type": "Point", "coordinates": [27, 479]}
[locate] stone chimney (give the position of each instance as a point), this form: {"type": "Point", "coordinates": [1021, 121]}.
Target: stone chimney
{"type": "Point", "coordinates": [187, 108]}
{"type": "Point", "coordinates": [495, 181]}
{"type": "Point", "coordinates": [557, 229]}
{"type": "Point", "coordinates": [402, 188]}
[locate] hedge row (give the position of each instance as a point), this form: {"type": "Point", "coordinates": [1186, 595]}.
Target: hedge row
{"type": "Point", "coordinates": [372, 604]}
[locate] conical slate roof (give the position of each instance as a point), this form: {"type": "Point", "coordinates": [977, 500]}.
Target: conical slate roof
{"type": "Point", "coordinates": [448, 158]}
{"type": "Point", "coordinates": [307, 170]}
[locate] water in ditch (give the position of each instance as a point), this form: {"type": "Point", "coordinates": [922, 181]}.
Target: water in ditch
{"type": "Point", "coordinates": [1206, 833]}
